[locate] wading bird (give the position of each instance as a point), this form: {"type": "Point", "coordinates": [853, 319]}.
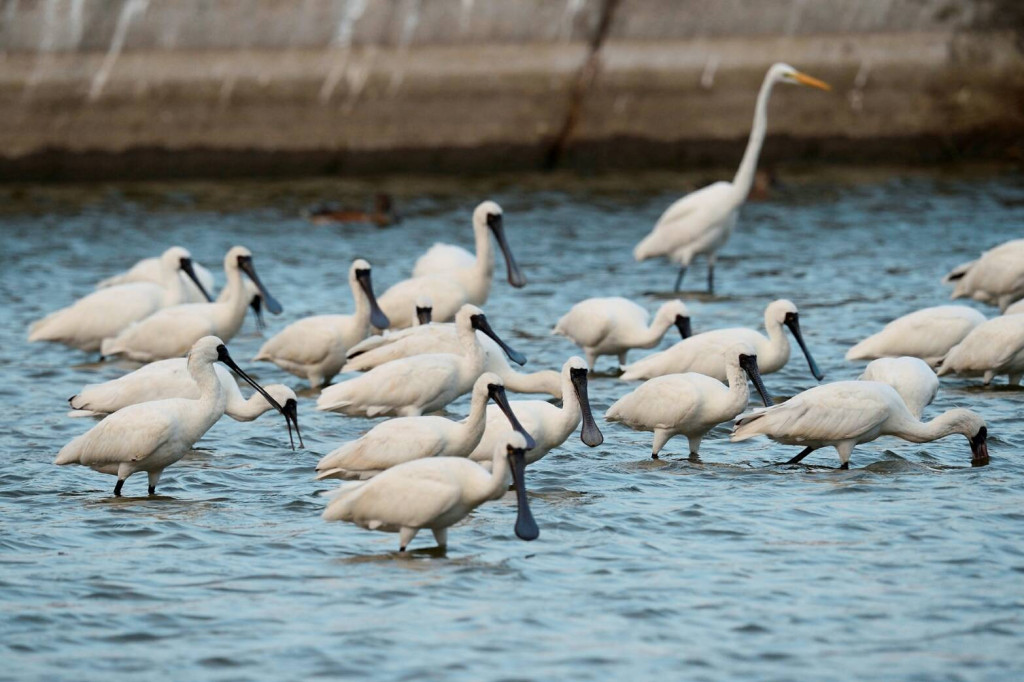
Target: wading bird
{"type": "Point", "coordinates": [912, 378]}
{"type": "Point", "coordinates": [992, 348]}
{"type": "Point", "coordinates": [928, 334]}
{"type": "Point", "coordinates": [996, 277]}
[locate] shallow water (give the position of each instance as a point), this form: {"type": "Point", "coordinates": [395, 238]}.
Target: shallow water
{"type": "Point", "coordinates": [908, 566]}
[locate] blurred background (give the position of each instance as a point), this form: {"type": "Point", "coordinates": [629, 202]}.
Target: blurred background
{"type": "Point", "coordinates": [125, 89]}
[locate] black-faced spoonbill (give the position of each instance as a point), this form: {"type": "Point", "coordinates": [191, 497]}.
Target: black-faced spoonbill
{"type": "Point", "coordinates": [992, 348]}
{"type": "Point", "coordinates": [151, 436]}
{"type": "Point", "coordinates": [314, 347]}
{"type": "Point", "coordinates": [107, 312]}
{"type": "Point", "coordinates": [150, 270]}
{"type": "Point", "coordinates": [846, 413]}
{"type": "Point", "coordinates": [435, 493]}
{"type": "Point", "coordinates": [700, 223]}
{"type": "Point", "coordinates": [613, 326]}
{"type": "Point", "coordinates": [912, 378]}
{"type": "Point", "coordinates": [689, 404]}
{"type": "Point", "coordinates": [404, 439]}
{"type": "Point", "coordinates": [996, 278]}
{"type": "Point", "coordinates": [928, 334]}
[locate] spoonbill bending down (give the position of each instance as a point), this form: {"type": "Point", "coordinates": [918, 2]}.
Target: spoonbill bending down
{"type": "Point", "coordinates": [441, 337]}
{"type": "Point", "coordinates": [912, 378]}
{"type": "Point", "coordinates": [107, 312]}
{"type": "Point", "coordinates": [424, 311]}
{"type": "Point", "coordinates": [612, 326]}
{"type": "Point", "coordinates": [846, 413]}
{"type": "Point", "coordinates": [314, 347]}
{"type": "Point", "coordinates": [150, 270]}
{"type": "Point", "coordinates": [996, 278]}
{"type": "Point", "coordinates": [706, 353]}
{"type": "Point", "coordinates": [412, 386]}
{"type": "Point", "coordinates": [435, 493]}
{"type": "Point", "coordinates": [151, 436]}
{"type": "Point", "coordinates": [689, 404]}
{"type": "Point", "coordinates": [993, 348]}
{"type": "Point", "coordinates": [450, 276]}
{"type": "Point", "coordinates": [172, 331]}
{"type": "Point", "coordinates": [928, 334]}
{"type": "Point", "coordinates": [700, 223]}
{"type": "Point", "coordinates": [404, 439]}
{"type": "Point", "coordinates": [171, 379]}
{"type": "Point", "coordinates": [549, 425]}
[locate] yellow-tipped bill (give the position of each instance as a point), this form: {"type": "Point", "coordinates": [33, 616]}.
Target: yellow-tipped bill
{"type": "Point", "coordinates": [804, 79]}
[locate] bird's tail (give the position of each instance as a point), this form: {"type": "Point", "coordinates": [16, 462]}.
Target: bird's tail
{"type": "Point", "coordinates": [747, 426]}
{"type": "Point", "coordinates": [111, 347]}
{"type": "Point", "coordinates": [863, 350]}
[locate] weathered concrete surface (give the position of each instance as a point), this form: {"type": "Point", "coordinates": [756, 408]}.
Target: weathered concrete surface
{"type": "Point", "coordinates": [144, 88]}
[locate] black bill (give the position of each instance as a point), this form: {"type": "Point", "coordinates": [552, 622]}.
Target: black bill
{"type": "Point", "coordinates": [291, 415]}
{"type": "Point", "coordinates": [245, 264]}
{"type": "Point", "coordinates": [749, 365]}
{"type": "Point", "coordinates": [589, 434]}
{"type": "Point", "coordinates": [377, 317]}
{"type": "Point", "coordinates": [222, 355]}
{"type": "Point", "coordinates": [186, 266]}
{"type": "Point", "coordinates": [424, 314]}
{"type": "Point", "coordinates": [480, 323]}
{"type": "Point", "coordinates": [979, 448]}
{"type": "Point", "coordinates": [497, 393]}
{"type": "Point", "coordinates": [526, 527]}
{"type": "Point", "coordinates": [683, 325]}
{"type": "Point", "coordinates": [497, 225]}
{"type": "Point", "coordinates": [793, 322]}
{"type": "Point", "coordinates": [257, 309]}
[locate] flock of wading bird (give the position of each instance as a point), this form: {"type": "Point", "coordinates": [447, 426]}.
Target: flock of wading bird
{"type": "Point", "coordinates": [426, 342]}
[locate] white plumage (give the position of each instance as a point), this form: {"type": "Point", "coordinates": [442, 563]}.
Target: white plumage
{"type": "Point", "coordinates": [151, 436]}
{"type": "Point", "coordinates": [689, 404]}
{"type": "Point", "coordinates": [912, 378]}
{"type": "Point", "coordinates": [928, 334]}
{"type": "Point", "coordinates": [706, 353]}
{"type": "Point", "coordinates": [450, 276]}
{"type": "Point", "coordinates": [992, 348]}
{"type": "Point", "coordinates": [434, 493]}
{"type": "Point", "coordinates": [172, 331]}
{"type": "Point", "coordinates": [105, 313]}
{"type": "Point", "coordinates": [149, 270]}
{"type": "Point", "coordinates": [613, 326]}
{"type": "Point", "coordinates": [700, 223]}
{"type": "Point", "coordinates": [314, 347]}
{"type": "Point", "coordinates": [847, 413]}
{"type": "Point", "coordinates": [548, 424]}
{"type": "Point", "coordinates": [996, 277]}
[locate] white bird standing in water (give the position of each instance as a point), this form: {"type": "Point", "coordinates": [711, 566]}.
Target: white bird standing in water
{"type": "Point", "coordinates": [928, 334]}
{"type": "Point", "coordinates": [912, 378]}
{"type": "Point", "coordinates": [993, 348]}
{"type": "Point", "coordinates": [420, 384]}
{"type": "Point", "coordinates": [150, 270]}
{"type": "Point", "coordinates": [404, 439]}
{"type": "Point", "coordinates": [689, 404]}
{"type": "Point", "coordinates": [314, 347]}
{"type": "Point", "coordinates": [996, 277]}
{"type": "Point", "coordinates": [151, 436]}
{"type": "Point", "coordinates": [706, 353]}
{"type": "Point", "coordinates": [171, 379]}
{"type": "Point", "coordinates": [435, 493]}
{"type": "Point", "coordinates": [172, 331]}
{"type": "Point", "coordinates": [548, 424]}
{"type": "Point", "coordinates": [613, 326]}
{"type": "Point", "coordinates": [107, 312]}
{"type": "Point", "coordinates": [846, 413]}
{"type": "Point", "coordinates": [452, 277]}
{"type": "Point", "coordinates": [700, 223]}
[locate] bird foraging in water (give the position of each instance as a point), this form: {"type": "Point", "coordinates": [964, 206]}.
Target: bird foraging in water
{"type": "Point", "coordinates": [992, 348]}
{"type": "Point", "coordinates": [701, 222]}
{"type": "Point", "coordinates": [690, 404]}
{"type": "Point", "coordinates": [996, 277]}
{"type": "Point", "coordinates": [151, 436]}
{"type": "Point", "coordinates": [435, 493]}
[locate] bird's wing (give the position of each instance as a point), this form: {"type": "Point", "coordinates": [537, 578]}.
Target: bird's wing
{"type": "Point", "coordinates": [128, 435]}
{"type": "Point", "coordinates": [306, 341]}
{"type": "Point", "coordinates": [834, 412]}
{"type": "Point", "coordinates": [660, 403]}
{"type": "Point", "coordinates": [409, 495]}
{"type": "Point", "coordinates": [442, 259]}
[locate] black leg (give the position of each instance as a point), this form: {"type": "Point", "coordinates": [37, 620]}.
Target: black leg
{"type": "Point", "coordinates": [711, 277]}
{"type": "Point", "coordinates": [844, 465]}
{"type": "Point", "coordinates": [679, 278]}
{"type": "Point", "coordinates": [152, 490]}
{"type": "Point", "coordinates": [654, 455]}
{"type": "Point", "coordinates": [117, 488]}
{"type": "Point", "coordinates": [803, 453]}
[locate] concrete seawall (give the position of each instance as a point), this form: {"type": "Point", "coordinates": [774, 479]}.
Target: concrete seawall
{"type": "Point", "coordinates": [152, 88]}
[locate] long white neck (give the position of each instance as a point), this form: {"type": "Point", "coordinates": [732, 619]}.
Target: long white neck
{"type": "Point", "coordinates": [472, 362]}
{"type": "Point", "coordinates": [545, 381]}
{"type": "Point", "coordinates": [476, 280]}
{"type": "Point", "coordinates": [361, 317]}
{"type": "Point", "coordinates": [212, 399]}
{"type": "Point", "coordinates": [649, 337]}
{"type": "Point", "coordinates": [242, 410]}
{"type": "Point", "coordinates": [470, 430]}
{"type": "Point", "coordinates": [774, 355]}
{"type": "Point", "coordinates": [484, 251]}
{"type": "Point", "coordinates": [570, 412]}
{"type": "Point", "coordinates": [500, 475]}
{"type": "Point", "coordinates": [739, 391]}
{"type": "Point", "coordinates": [229, 312]}
{"type": "Point", "coordinates": [745, 174]}
{"type": "Point", "coordinates": [907, 427]}
{"type": "Point", "coordinates": [173, 282]}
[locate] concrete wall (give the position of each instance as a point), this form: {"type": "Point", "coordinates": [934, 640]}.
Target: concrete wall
{"type": "Point", "coordinates": [139, 88]}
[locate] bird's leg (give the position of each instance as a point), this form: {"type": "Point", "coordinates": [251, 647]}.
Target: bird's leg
{"type": "Point", "coordinates": [622, 358]}
{"type": "Point", "coordinates": [679, 278]}
{"type": "Point", "coordinates": [661, 436]}
{"type": "Point", "coordinates": [711, 274]}
{"type": "Point", "coordinates": [441, 535]}
{"type": "Point", "coordinates": [118, 486]}
{"type": "Point", "coordinates": [405, 536]}
{"type": "Point", "coordinates": [803, 453]}
{"type": "Point", "coordinates": [844, 465]}
{"type": "Point", "coordinates": [1015, 379]}
{"type": "Point", "coordinates": [154, 478]}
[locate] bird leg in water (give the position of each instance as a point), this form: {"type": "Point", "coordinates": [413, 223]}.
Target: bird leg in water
{"type": "Point", "coordinates": [711, 276]}
{"type": "Point", "coordinates": [117, 487]}
{"type": "Point", "coordinates": [679, 278]}
{"type": "Point", "coordinates": [803, 453]}
{"type": "Point", "coordinates": [844, 465]}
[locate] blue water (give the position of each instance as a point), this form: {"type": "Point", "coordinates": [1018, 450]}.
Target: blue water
{"type": "Point", "coordinates": [910, 566]}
